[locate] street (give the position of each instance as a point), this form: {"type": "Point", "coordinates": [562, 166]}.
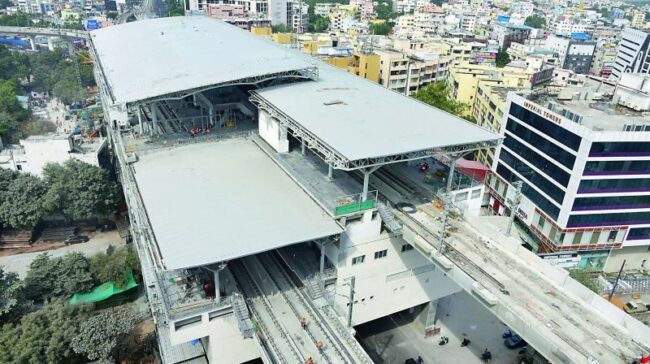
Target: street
{"type": "Point", "coordinates": [98, 243]}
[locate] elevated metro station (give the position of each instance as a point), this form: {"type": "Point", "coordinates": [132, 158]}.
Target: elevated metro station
{"type": "Point", "coordinates": [276, 202]}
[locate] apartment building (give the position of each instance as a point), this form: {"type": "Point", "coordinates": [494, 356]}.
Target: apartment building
{"type": "Point", "coordinates": [575, 54]}
{"type": "Point", "coordinates": [585, 169]}
{"type": "Point", "coordinates": [463, 79]}
{"type": "Point", "coordinates": [506, 33]}
{"type": "Point", "coordinates": [603, 60]}
{"type": "Point", "coordinates": [632, 55]}
{"type": "Point", "coordinates": [406, 72]}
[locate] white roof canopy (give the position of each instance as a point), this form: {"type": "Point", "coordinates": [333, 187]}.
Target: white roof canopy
{"type": "Point", "coordinates": [156, 57]}
{"type": "Point", "coordinates": [218, 201]}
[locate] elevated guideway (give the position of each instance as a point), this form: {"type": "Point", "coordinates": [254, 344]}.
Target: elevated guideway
{"type": "Point", "coordinates": [560, 326]}
{"type": "Point", "coordinates": [58, 32]}
{"type": "Point", "coordinates": [278, 304]}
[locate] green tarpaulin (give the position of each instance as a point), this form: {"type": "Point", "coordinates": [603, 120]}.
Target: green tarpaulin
{"type": "Point", "coordinates": [103, 291]}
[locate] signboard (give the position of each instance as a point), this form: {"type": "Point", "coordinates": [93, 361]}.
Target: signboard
{"type": "Point", "coordinates": [562, 260]}
{"type": "Point", "coordinates": [91, 24]}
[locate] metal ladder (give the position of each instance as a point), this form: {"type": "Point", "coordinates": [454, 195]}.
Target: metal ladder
{"type": "Point", "coordinates": [388, 218]}
{"type": "Point", "coordinates": [314, 287]}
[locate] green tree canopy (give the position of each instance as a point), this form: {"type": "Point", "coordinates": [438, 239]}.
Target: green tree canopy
{"type": "Point", "coordinates": [280, 28]}
{"type": "Point", "coordinates": [114, 265]}
{"type": "Point", "coordinates": [381, 28]}
{"type": "Point", "coordinates": [23, 202]}
{"type": "Point", "coordinates": [586, 278]}
{"type": "Point", "coordinates": [535, 21]}
{"type": "Point", "coordinates": [438, 94]}
{"type": "Point", "coordinates": [318, 24]}
{"type": "Point", "coordinates": [11, 293]}
{"type": "Point", "coordinates": [502, 58]}
{"type": "Point", "coordinates": [58, 277]}
{"type": "Point", "coordinates": [384, 10]}
{"type": "Point", "coordinates": [43, 336]}
{"type": "Point", "coordinates": [79, 190]}
{"type": "Point", "coordinates": [101, 334]}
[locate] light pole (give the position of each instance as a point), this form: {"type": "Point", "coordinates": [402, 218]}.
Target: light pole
{"type": "Point", "coordinates": [350, 299]}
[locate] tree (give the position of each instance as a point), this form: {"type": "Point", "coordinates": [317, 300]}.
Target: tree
{"type": "Point", "coordinates": [101, 334]}
{"type": "Point", "coordinates": [114, 265]}
{"type": "Point", "coordinates": [585, 277]}
{"type": "Point", "coordinates": [384, 10]}
{"type": "Point", "coordinates": [318, 24]}
{"type": "Point", "coordinates": [280, 28]}
{"type": "Point", "coordinates": [23, 202]}
{"type": "Point", "coordinates": [58, 277]}
{"type": "Point", "coordinates": [381, 28]}
{"type": "Point", "coordinates": [11, 293]}
{"type": "Point", "coordinates": [43, 336]}
{"type": "Point", "coordinates": [79, 190]}
{"type": "Point", "coordinates": [502, 58]}
{"type": "Point", "coordinates": [438, 94]}
{"type": "Point", "coordinates": [535, 21]}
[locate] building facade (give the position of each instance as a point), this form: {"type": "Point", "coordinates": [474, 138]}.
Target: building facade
{"type": "Point", "coordinates": [585, 175]}
{"type": "Point", "coordinates": [632, 55]}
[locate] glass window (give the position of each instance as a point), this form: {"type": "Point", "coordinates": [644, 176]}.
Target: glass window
{"type": "Point", "coordinates": [611, 203]}
{"type": "Point", "coordinates": [619, 149]}
{"type": "Point", "coordinates": [533, 158]}
{"type": "Point", "coordinates": [594, 238]}
{"type": "Point", "coordinates": [532, 176]}
{"type": "Point", "coordinates": [542, 143]}
{"type": "Point", "coordinates": [540, 201]}
{"type": "Point", "coordinates": [381, 254]}
{"type": "Point", "coordinates": [547, 127]}
{"type": "Point", "coordinates": [617, 167]}
{"type": "Point", "coordinates": [551, 236]}
{"type": "Point", "coordinates": [612, 236]}
{"type": "Point", "coordinates": [541, 222]}
{"type": "Point", "coordinates": [614, 185]}
{"type": "Point", "coordinates": [577, 238]}
{"type": "Point", "coordinates": [638, 234]}
{"type": "Point", "coordinates": [627, 218]}
{"type": "Point", "coordinates": [358, 260]}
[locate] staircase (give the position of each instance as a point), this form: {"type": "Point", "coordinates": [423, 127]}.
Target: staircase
{"type": "Point", "coordinates": [314, 287]}
{"type": "Point", "coordinates": [388, 218]}
{"type": "Point", "coordinates": [241, 314]}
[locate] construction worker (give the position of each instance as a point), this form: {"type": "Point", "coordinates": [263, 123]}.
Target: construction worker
{"type": "Point", "coordinates": [319, 346]}
{"type": "Point", "coordinates": [303, 323]}
{"type": "Point", "coordinates": [309, 361]}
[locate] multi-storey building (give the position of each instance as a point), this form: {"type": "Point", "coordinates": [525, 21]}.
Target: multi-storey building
{"type": "Point", "coordinates": [406, 72]}
{"type": "Point", "coordinates": [638, 19]}
{"type": "Point", "coordinates": [574, 54]}
{"type": "Point", "coordinates": [324, 9]}
{"type": "Point", "coordinates": [506, 33]}
{"type": "Point", "coordinates": [585, 168]}
{"type": "Point", "coordinates": [633, 55]}
{"type": "Point", "coordinates": [603, 61]}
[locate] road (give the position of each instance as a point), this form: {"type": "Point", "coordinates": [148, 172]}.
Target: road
{"type": "Point", "coordinates": [395, 338]}
{"type": "Point", "coordinates": [98, 243]}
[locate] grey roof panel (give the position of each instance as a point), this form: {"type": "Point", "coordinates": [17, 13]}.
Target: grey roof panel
{"type": "Point", "coordinates": [157, 57]}
{"type": "Point", "coordinates": [361, 119]}
{"type": "Point", "coordinates": [218, 201]}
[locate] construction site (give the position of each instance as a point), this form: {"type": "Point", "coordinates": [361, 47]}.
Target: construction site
{"type": "Point", "coordinates": [276, 203]}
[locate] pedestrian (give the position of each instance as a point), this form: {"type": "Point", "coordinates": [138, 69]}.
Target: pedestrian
{"type": "Point", "coordinates": [303, 323]}
{"type": "Point", "coordinates": [319, 346]}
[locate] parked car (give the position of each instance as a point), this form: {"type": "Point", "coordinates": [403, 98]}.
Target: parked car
{"type": "Point", "coordinates": [632, 307]}
{"type": "Point", "coordinates": [76, 239]}
{"type": "Point", "coordinates": [514, 342]}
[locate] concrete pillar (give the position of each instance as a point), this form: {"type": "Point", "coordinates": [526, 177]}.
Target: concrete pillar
{"type": "Point", "coordinates": [50, 44]}
{"type": "Point", "coordinates": [330, 172]}
{"type": "Point", "coordinates": [32, 44]}
{"type": "Point", "coordinates": [429, 315]}
{"type": "Point", "coordinates": [217, 288]}
{"type": "Point", "coordinates": [154, 118]}
{"type": "Point", "coordinates": [452, 167]}
{"type": "Point", "coordinates": [140, 120]}
{"type": "Point", "coordinates": [302, 148]}
{"type": "Point", "coordinates": [322, 257]}
{"type": "Point", "coordinates": [366, 180]}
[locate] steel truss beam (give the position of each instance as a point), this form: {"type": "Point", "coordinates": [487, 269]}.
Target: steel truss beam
{"type": "Point", "coordinates": [309, 73]}
{"type": "Point", "coordinates": [338, 161]}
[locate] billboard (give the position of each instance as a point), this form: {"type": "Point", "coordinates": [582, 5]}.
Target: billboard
{"type": "Point", "coordinates": [91, 24]}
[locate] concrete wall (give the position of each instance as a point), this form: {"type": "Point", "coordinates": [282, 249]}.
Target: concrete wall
{"type": "Point", "coordinates": [273, 133]}
{"type": "Point", "coordinates": [225, 342]}
{"type": "Point", "coordinates": [636, 258]}
{"type": "Point", "coordinates": [395, 282]}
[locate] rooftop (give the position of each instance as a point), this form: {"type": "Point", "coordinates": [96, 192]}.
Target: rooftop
{"type": "Point", "coordinates": [360, 120]}
{"type": "Point", "coordinates": [591, 106]}
{"type": "Point", "coordinates": [191, 53]}
{"type": "Point", "coordinates": [200, 217]}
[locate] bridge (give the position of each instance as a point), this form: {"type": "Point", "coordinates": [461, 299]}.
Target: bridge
{"type": "Point", "coordinates": [50, 32]}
